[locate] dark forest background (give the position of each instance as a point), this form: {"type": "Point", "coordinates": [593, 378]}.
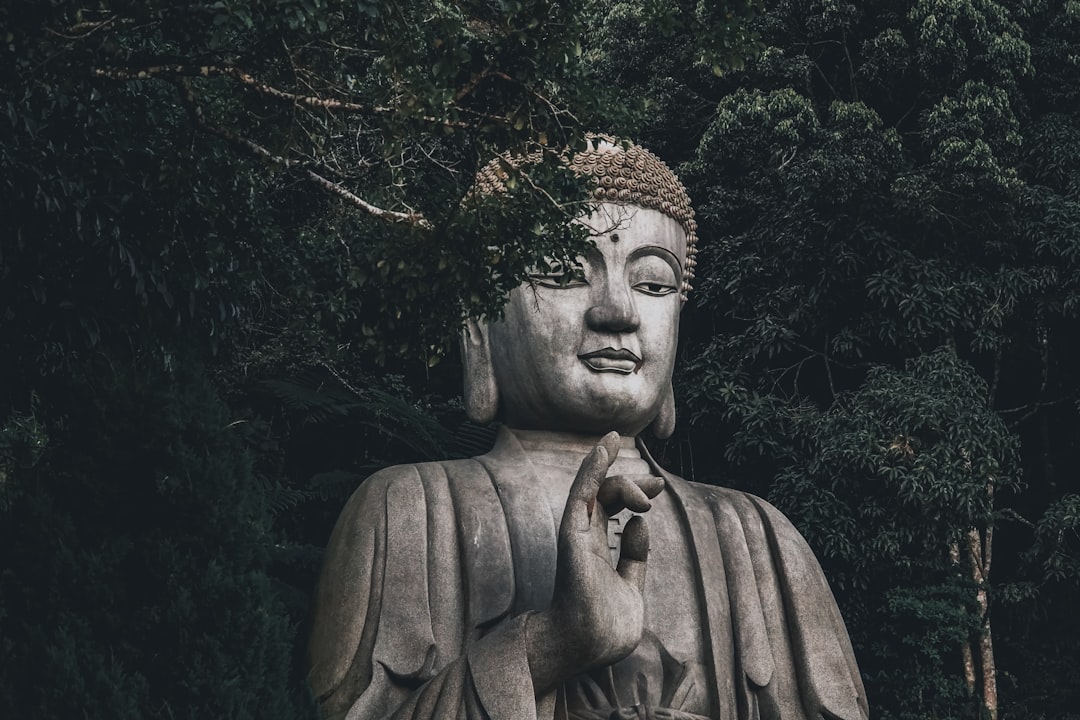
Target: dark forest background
{"type": "Point", "coordinates": [236, 245]}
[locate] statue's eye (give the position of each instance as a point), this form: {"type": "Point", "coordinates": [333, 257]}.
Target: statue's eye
{"type": "Point", "coordinates": [572, 278]}
{"type": "Point", "coordinates": [655, 288]}
{"type": "Point", "coordinates": [650, 274]}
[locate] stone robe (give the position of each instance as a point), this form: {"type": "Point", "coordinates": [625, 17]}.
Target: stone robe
{"type": "Point", "coordinates": [431, 569]}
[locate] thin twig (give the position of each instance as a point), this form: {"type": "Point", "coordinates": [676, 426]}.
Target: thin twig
{"type": "Point", "coordinates": [992, 394]}
{"type": "Point", "coordinates": [473, 83]}
{"type": "Point", "coordinates": [1035, 405]}
{"type": "Point", "coordinates": [788, 159]}
{"type": "Point", "coordinates": [555, 203]}
{"type": "Point", "coordinates": [851, 70]}
{"type": "Point", "coordinates": [81, 30]}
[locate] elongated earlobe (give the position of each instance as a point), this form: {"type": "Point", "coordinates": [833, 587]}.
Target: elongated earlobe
{"type": "Point", "coordinates": [481, 392]}
{"type": "Point", "coordinates": [663, 426]}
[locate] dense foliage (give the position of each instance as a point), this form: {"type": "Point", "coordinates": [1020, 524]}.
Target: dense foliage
{"type": "Point", "coordinates": [223, 225]}
{"type": "Point", "coordinates": [135, 576]}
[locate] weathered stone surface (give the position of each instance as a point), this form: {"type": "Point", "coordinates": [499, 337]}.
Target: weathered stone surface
{"type": "Point", "coordinates": [486, 588]}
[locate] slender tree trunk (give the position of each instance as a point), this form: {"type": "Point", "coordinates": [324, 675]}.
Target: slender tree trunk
{"type": "Point", "coordinates": [979, 546]}
{"type": "Point", "coordinates": [978, 654]}
{"type": "Point", "coordinates": [986, 645]}
{"type": "Point", "coordinates": [967, 655]}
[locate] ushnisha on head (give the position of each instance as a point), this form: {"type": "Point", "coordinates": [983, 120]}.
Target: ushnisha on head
{"type": "Point", "coordinates": [594, 352]}
{"type": "Point", "coordinates": [625, 174]}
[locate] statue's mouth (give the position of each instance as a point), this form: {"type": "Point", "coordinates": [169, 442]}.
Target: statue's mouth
{"type": "Point", "coordinates": [609, 359]}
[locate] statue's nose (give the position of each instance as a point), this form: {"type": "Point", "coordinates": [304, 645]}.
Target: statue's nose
{"type": "Point", "coordinates": [614, 313]}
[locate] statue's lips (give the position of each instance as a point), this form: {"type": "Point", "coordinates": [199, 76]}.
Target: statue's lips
{"type": "Point", "coordinates": [620, 361]}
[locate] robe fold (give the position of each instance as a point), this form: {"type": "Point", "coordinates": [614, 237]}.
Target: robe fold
{"type": "Point", "coordinates": [431, 569]}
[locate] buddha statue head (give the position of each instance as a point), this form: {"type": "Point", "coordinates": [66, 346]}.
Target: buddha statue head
{"type": "Point", "coordinates": [593, 350]}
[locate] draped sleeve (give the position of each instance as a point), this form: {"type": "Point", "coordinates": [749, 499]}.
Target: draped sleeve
{"type": "Point", "coordinates": [410, 616]}
{"type": "Point", "coordinates": [779, 647]}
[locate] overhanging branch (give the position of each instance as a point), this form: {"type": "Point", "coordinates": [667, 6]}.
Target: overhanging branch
{"type": "Point", "coordinates": [196, 112]}
{"type": "Point", "coordinates": [172, 70]}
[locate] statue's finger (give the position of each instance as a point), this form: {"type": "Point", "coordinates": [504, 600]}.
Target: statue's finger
{"type": "Point", "coordinates": [651, 485]}
{"type": "Point", "coordinates": [581, 501]}
{"type": "Point", "coordinates": [634, 552]}
{"type": "Point", "coordinates": [622, 491]}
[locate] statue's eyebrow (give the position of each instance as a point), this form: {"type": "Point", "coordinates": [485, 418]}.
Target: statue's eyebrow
{"type": "Point", "coordinates": [664, 254]}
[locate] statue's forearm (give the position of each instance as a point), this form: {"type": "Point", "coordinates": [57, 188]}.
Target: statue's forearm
{"type": "Point", "coordinates": [549, 662]}
{"type": "Point", "coordinates": [511, 676]}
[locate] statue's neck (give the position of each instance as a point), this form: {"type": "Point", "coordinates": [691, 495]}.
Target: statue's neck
{"type": "Point", "coordinates": [567, 450]}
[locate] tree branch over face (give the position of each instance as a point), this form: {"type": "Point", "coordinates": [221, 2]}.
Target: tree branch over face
{"type": "Point", "coordinates": [196, 112]}
{"type": "Point", "coordinates": [570, 209]}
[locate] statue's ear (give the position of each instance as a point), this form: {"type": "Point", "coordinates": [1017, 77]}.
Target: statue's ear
{"type": "Point", "coordinates": [481, 392]}
{"type": "Point", "coordinates": [663, 425]}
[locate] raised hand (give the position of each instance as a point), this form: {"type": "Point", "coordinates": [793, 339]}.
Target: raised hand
{"type": "Point", "coordinates": [597, 612]}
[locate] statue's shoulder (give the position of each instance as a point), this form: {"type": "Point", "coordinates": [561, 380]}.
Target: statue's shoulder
{"type": "Point", "coordinates": [399, 486]}
{"type": "Point", "coordinates": [713, 493]}
{"type": "Point", "coordinates": [714, 496]}
{"type": "Point", "coordinates": [748, 507]}
{"type": "Point", "coordinates": [424, 471]}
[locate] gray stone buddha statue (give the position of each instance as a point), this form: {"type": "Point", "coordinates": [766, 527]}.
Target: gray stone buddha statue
{"type": "Point", "coordinates": [565, 575]}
